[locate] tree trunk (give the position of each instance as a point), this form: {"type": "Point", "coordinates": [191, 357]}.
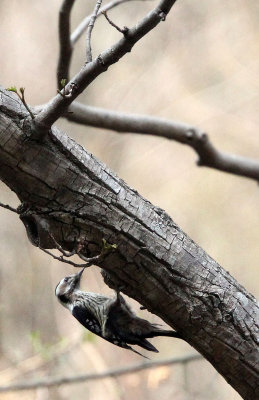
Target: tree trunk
{"type": "Point", "coordinates": [68, 193]}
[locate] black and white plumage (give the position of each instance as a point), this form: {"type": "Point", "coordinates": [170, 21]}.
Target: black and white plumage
{"type": "Point", "coordinates": [108, 317]}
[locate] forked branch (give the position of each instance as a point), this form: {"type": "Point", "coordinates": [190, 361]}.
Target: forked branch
{"type": "Point", "coordinates": [59, 104]}
{"type": "Point", "coordinates": [67, 41]}
{"type": "Point", "coordinates": [81, 28]}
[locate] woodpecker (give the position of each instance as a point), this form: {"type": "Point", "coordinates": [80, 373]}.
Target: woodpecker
{"type": "Point", "coordinates": [108, 317]}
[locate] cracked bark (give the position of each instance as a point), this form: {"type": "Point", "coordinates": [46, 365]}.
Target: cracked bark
{"type": "Point", "coordinates": [68, 192]}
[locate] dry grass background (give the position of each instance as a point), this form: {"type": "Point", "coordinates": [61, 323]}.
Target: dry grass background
{"type": "Point", "coordinates": [200, 66]}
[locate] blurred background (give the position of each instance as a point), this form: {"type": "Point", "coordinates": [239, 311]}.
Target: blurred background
{"type": "Point", "coordinates": [201, 67]}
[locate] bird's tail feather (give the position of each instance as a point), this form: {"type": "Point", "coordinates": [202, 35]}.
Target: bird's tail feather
{"type": "Point", "coordinates": [135, 351]}
{"type": "Point", "coordinates": [169, 333]}
{"type": "Point", "coordinates": [147, 345]}
{"type": "Point", "coordinates": [163, 332]}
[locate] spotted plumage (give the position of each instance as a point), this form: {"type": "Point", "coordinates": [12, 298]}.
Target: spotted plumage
{"type": "Point", "coordinates": [108, 317]}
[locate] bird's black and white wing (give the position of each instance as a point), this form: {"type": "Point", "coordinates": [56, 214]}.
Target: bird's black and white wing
{"type": "Point", "coordinates": [87, 319]}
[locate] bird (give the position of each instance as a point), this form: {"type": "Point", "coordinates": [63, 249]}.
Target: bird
{"type": "Point", "coordinates": [108, 317]}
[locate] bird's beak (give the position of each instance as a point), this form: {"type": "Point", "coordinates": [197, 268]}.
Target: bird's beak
{"type": "Point", "coordinates": [77, 277]}
{"type": "Point", "coordinates": [80, 273]}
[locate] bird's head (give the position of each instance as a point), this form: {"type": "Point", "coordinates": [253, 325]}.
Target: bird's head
{"type": "Point", "coordinates": [66, 287]}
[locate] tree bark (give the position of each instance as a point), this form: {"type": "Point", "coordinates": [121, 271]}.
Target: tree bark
{"type": "Point", "coordinates": [66, 192]}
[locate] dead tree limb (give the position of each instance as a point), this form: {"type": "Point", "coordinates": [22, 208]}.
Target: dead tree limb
{"type": "Point", "coordinates": [68, 193]}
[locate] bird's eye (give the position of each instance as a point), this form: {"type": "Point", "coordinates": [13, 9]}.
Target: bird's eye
{"type": "Point", "coordinates": [66, 279]}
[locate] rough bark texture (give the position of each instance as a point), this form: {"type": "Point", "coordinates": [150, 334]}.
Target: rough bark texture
{"type": "Point", "coordinates": [66, 191]}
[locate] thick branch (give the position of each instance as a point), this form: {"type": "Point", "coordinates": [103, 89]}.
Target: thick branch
{"type": "Point", "coordinates": [180, 132]}
{"type": "Point", "coordinates": [58, 105]}
{"type": "Point", "coordinates": [67, 192]}
{"type": "Point", "coordinates": [102, 375]}
{"type": "Point", "coordinates": [65, 50]}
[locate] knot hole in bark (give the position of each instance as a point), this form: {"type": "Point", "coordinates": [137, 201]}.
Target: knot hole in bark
{"type": "Point", "coordinates": [38, 230]}
{"type": "Point", "coordinates": [31, 229]}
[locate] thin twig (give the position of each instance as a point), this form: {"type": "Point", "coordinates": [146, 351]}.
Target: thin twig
{"type": "Point", "coordinates": [65, 46]}
{"type": "Point", "coordinates": [78, 32]}
{"type": "Point", "coordinates": [65, 253]}
{"type": "Point", "coordinates": [89, 57]}
{"type": "Point", "coordinates": [121, 30]}
{"type": "Point", "coordinates": [9, 208]}
{"type": "Point", "coordinates": [21, 96]}
{"type": "Point", "coordinates": [25, 103]}
{"type": "Point", "coordinates": [102, 375]}
{"type": "Point", "coordinates": [82, 257]}
{"type": "Point", "coordinates": [107, 248]}
{"type": "Point", "coordinates": [62, 259]}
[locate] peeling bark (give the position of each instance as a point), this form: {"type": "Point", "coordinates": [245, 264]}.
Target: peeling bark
{"type": "Point", "coordinates": [67, 192]}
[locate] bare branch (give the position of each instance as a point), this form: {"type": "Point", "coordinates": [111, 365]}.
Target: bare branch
{"type": "Point", "coordinates": [78, 32]}
{"type": "Point", "coordinates": [64, 253]}
{"type": "Point", "coordinates": [65, 50]}
{"type": "Point", "coordinates": [9, 208]}
{"type": "Point", "coordinates": [62, 259]}
{"type": "Point", "coordinates": [58, 105]}
{"type": "Point", "coordinates": [22, 98]}
{"type": "Point", "coordinates": [102, 375]}
{"type": "Point", "coordinates": [121, 30]}
{"type": "Point", "coordinates": [107, 248]}
{"type": "Point", "coordinates": [67, 42]}
{"type": "Point", "coordinates": [89, 31]}
{"type": "Point", "coordinates": [180, 132]}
